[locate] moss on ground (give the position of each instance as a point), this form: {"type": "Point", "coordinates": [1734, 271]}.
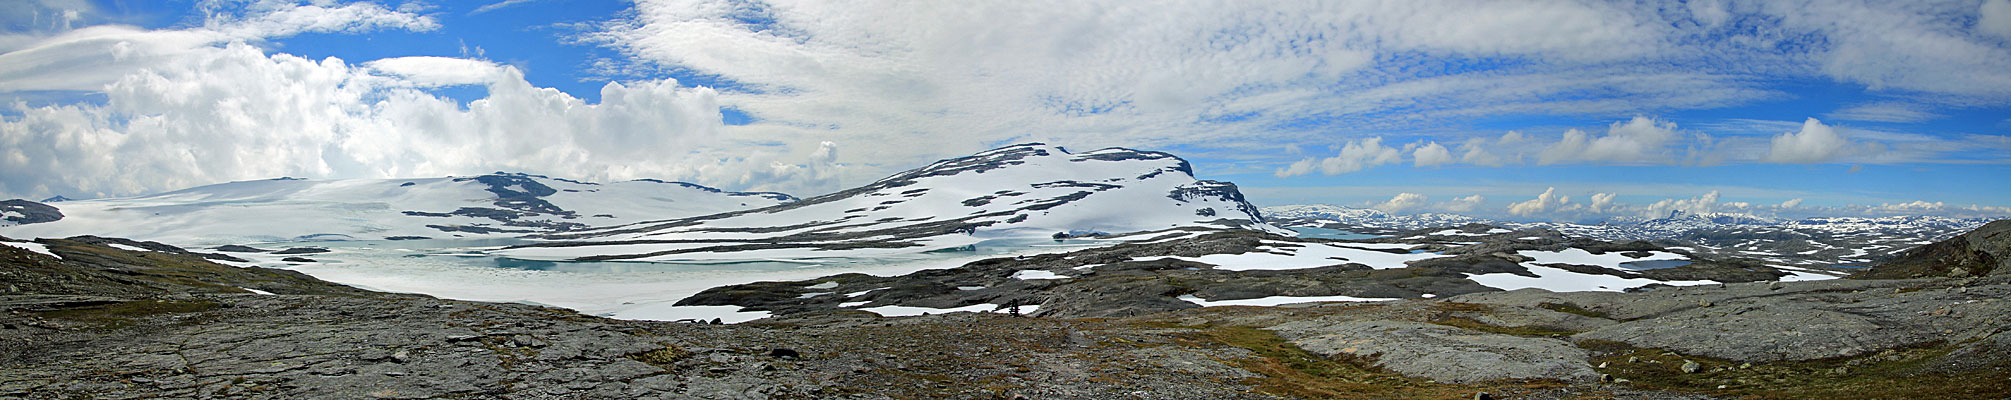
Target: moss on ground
{"type": "Point", "coordinates": [1891, 374]}
{"type": "Point", "coordinates": [119, 315]}
{"type": "Point", "coordinates": [665, 357]}
{"type": "Point", "coordinates": [1569, 308]}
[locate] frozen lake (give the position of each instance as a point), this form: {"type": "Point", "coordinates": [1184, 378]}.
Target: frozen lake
{"type": "Point", "coordinates": [465, 269]}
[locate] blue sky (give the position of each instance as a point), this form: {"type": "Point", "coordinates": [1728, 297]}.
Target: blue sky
{"type": "Point", "coordinates": [1532, 110]}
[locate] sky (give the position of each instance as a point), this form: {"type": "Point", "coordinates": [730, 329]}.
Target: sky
{"type": "Point", "coordinates": [1523, 110]}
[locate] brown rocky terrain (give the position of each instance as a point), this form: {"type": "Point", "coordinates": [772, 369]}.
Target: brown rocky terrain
{"type": "Point", "coordinates": [94, 321]}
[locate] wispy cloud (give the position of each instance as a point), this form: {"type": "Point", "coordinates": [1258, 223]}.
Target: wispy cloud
{"type": "Point", "coordinates": [1886, 112]}
{"type": "Point", "coordinates": [498, 5]}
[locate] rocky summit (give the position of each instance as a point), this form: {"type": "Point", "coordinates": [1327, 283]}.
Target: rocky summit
{"type": "Point", "coordinates": [103, 318]}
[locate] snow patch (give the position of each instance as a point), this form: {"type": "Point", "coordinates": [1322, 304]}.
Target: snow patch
{"type": "Point", "coordinates": [1030, 274]}
{"type": "Point", "coordinates": [1558, 280]}
{"type": "Point", "coordinates": [1276, 300]}
{"type": "Point", "coordinates": [726, 314]}
{"type": "Point", "coordinates": [907, 311]}
{"type": "Point", "coordinates": [34, 247]}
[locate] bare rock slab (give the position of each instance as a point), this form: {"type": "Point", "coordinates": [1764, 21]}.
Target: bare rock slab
{"type": "Point", "coordinates": [1442, 353]}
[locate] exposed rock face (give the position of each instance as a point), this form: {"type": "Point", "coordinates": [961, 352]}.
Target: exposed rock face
{"type": "Point", "coordinates": [1799, 321]}
{"type": "Point", "coordinates": [1985, 251]}
{"type": "Point", "coordinates": [23, 212]}
{"type": "Point", "coordinates": [1442, 353]}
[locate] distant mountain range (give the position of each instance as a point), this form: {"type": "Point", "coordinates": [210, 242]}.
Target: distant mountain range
{"type": "Point", "coordinates": [1810, 241]}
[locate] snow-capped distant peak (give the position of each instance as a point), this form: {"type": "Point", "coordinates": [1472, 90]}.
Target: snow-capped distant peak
{"type": "Point", "coordinates": [1022, 191]}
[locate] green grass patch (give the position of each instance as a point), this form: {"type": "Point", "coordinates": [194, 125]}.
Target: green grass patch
{"type": "Point", "coordinates": [119, 315]}
{"type": "Point", "coordinates": [665, 357]}
{"type": "Point", "coordinates": [1569, 308]}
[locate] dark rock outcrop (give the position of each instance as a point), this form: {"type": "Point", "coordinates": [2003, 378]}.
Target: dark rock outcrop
{"type": "Point", "coordinates": [1985, 251]}
{"type": "Point", "coordinates": [23, 212]}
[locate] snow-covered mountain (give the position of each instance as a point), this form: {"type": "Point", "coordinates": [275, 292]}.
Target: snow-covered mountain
{"type": "Point", "coordinates": [494, 205]}
{"type": "Point", "coordinates": [1022, 191]}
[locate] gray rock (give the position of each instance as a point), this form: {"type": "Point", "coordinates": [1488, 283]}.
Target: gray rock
{"type": "Point", "coordinates": [1442, 353]}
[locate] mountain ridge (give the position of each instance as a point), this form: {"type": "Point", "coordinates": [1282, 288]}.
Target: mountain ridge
{"type": "Point", "coordinates": [1030, 190]}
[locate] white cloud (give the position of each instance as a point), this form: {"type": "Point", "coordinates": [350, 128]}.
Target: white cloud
{"type": "Point", "coordinates": [1814, 144]}
{"type": "Point", "coordinates": [1548, 202]}
{"type": "Point", "coordinates": [89, 58]}
{"type": "Point", "coordinates": [1355, 156]}
{"type": "Point", "coordinates": [1994, 18]}
{"type": "Point", "coordinates": [1431, 154]}
{"type": "Point", "coordinates": [427, 71]}
{"type": "Point", "coordinates": [1707, 203]}
{"type": "Point", "coordinates": [1637, 141]}
{"type": "Point", "coordinates": [1402, 202]}
{"type": "Point", "coordinates": [498, 5]}
{"type": "Point", "coordinates": [1601, 203]}
{"type": "Point", "coordinates": [1915, 206]}
{"type": "Point", "coordinates": [1463, 204]}
{"type": "Point", "coordinates": [1796, 202]}
{"type": "Point", "coordinates": [1903, 46]}
{"type": "Point", "coordinates": [953, 76]}
{"type": "Point", "coordinates": [233, 113]}
{"type": "Point", "coordinates": [1887, 112]}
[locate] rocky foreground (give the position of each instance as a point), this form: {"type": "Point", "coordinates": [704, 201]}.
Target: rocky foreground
{"type": "Point", "coordinates": [97, 321]}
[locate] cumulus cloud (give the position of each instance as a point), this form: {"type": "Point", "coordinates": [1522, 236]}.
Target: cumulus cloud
{"type": "Point", "coordinates": [1431, 154]}
{"type": "Point", "coordinates": [1355, 156]}
{"type": "Point", "coordinates": [1796, 202]}
{"type": "Point", "coordinates": [1814, 144]}
{"type": "Point", "coordinates": [1548, 202]}
{"type": "Point", "coordinates": [1627, 142]}
{"type": "Point", "coordinates": [233, 113]}
{"type": "Point", "coordinates": [1402, 202]}
{"type": "Point", "coordinates": [1601, 203]}
{"type": "Point", "coordinates": [1706, 203]}
{"type": "Point", "coordinates": [1463, 204]}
